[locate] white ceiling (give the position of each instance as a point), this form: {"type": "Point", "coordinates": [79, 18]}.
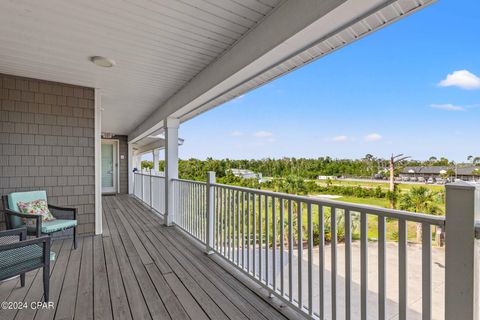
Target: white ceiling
{"type": "Point", "coordinates": [158, 46]}
{"type": "Point", "coordinates": [178, 58]}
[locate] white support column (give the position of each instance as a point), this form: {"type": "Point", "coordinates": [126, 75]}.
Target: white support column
{"type": "Point", "coordinates": [461, 252]}
{"type": "Point", "coordinates": [156, 159]}
{"type": "Point", "coordinates": [136, 162]}
{"type": "Point", "coordinates": [131, 165]}
{"type": "Point", "coordinates": [171, 167]}
{"type": "Point", "coordinates": [210, 212]}
{"type": "Point", "coordinates": [98, 162]}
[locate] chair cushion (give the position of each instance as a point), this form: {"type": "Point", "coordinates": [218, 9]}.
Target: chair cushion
{"type": "Point", "coordinates": [35, 207]}
{"type": "Point", "coordinates": [15, 260]}
{"type": "Point", "coordinates": [29, 196]}
{"type": "Point", "coordinates": [14, 197]}
{"type": "Point", "coordinates": [55, 225]}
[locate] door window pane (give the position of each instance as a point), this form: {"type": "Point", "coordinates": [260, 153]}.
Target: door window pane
{"type": "Point", "coordinates": [107, 165]}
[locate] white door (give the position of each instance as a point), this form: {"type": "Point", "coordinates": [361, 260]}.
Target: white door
{"type": "Point", "coordinates": [109, 166]}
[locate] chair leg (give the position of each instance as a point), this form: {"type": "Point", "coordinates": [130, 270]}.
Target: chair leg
{"type": "Point", "coordinates": [75, 237]}
{"type": "Point", "coordinates": [46, 283]}
{"type": "Point", "coordinates": [22, 279]}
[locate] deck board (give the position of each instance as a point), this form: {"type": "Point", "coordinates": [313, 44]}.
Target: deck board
{"type": "Point", "coordinates": [84, 304]}
{"type": "Point", "coordinates": [67, 302]}
{"type": "Point", "coordinates": [138, 269]}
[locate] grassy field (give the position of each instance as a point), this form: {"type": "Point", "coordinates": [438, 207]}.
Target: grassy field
{"type": "Point", "coordinates": [384, 203]}
{"type": "Point", "coordinates": [369, 201]}
{"type": "Point", "coordinates": [392, 226]}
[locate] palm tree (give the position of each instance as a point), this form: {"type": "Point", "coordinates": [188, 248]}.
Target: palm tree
{"type": "Point", "coordinates": [292, 185]}
{"type": "Point", "coordinates": [422, 200]}
{"type": "Point", "coordinates": [476, 172]}
{"type": "Point", "coordinates": [449, 173]}
{"type": "Point", "coordinates": [393, 162]}
{"type": "Point", "coordinates": [145, 164]}
{"type": "Point", "coordinates": [340, 218]}
{"type": "Point", "coordinates": [369, 157]}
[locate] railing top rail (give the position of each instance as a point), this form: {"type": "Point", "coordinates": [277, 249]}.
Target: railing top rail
{"type": "Point", "coordinates": [149, 175]}
{"type": "Point", "coordinates": [390, 213]}
{"type": "Point", "coordinates": [190, 181]}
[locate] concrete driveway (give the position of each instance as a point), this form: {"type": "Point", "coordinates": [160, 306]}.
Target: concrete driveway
{"type": "Point", "coordinates": [414, 282]}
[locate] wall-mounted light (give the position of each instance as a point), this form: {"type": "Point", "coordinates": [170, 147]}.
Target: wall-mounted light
{"type": "Point", "coordinates": [107, 135]}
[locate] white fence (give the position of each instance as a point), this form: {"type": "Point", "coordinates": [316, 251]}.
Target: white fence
{"type": "Point", "coordinates": [316, 255]}
{"type": "Point", "coordinates": [273, 238]}
{"type": "Point", "coordinates": [191, 204]}
{"type": "Point", "coordinates": [151, 190]}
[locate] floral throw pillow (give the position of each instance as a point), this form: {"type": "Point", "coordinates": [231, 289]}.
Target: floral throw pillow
{"type": "Point", "coordinates": [36, 207]}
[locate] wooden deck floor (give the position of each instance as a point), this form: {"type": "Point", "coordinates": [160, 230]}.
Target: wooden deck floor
{"type": "Point", "coordinates": [138, 269]}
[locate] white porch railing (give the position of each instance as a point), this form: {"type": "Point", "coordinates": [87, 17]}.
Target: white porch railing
{"type": "Point", "coordinates": [250, 234]}
{"type": "Point", "coordinates": [278, 240]}
{"type": "Point", "coordinates": [151, 190]}
{"type": "Point", "coordinates": [190, 203]}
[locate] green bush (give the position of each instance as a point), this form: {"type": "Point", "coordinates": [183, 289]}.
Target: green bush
{"type": "Point", "coordinates": [394, 235]}
{"type": "Point", "coordinates": [145, 164]}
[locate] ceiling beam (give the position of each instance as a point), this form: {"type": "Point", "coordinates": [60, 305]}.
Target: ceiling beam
{"type": "Point", "coordinates": [158, 144]}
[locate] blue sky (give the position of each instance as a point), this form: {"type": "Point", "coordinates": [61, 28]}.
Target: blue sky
{"type": "Point", "coordinates": [380, 95]}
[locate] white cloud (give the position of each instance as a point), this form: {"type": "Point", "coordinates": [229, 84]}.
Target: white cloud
{"type": "Point", "coordinates": [461, 78]}
{"type": "Point", "coordinates": [340, 138]}
{"type": "Point", "coordinates": [236, 133]}
{"type": "Point", "coordinates": [263, 134]}
{"type": "Point", "coordinates": [447, 107]}
{"type": "Point", "coordinates": [373, 137]}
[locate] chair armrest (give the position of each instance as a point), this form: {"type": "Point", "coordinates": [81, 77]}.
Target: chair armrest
{"type": "Point", "coordinates": [37, 218]}
{"type": "Point", "coordinates": [44, 240]}
{"type": "Point", "coordinates": [63, 212]}
{"type": "Point", "coordinates": [24, 243]}
{"type": "Point", "coordinates": [22, 232]}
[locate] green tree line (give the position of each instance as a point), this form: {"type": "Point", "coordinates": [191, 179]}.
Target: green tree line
{"type": "Point", "coordinates": [367, 167]}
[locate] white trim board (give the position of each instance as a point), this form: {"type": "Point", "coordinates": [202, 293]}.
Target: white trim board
{"type": "Point", "coordinates": [98, 163]}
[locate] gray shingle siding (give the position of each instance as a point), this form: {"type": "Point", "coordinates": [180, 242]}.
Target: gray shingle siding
{"type": "Point", "coordinates": [47, 142]}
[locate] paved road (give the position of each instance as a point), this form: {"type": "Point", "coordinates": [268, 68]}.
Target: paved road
{"type": "Point", "coordinates": [384, 181]}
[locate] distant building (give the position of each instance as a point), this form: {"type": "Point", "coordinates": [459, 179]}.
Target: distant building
{"type": "Point", "coordinates": [327, 177]}
{"type": "Point", "coordinates": [466, 173]}
{"type": "Point", "coordinates": [246, 174]}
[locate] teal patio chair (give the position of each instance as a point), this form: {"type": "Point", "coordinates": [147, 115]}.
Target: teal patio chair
{"type": "Point", "coordinates": [18, 256]}
{"type": "Point", "coordinates": [65, 218]}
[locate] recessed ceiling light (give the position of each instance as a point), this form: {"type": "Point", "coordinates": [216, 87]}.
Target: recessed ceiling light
{"type": "Point", "coordinates": [102, 61]}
